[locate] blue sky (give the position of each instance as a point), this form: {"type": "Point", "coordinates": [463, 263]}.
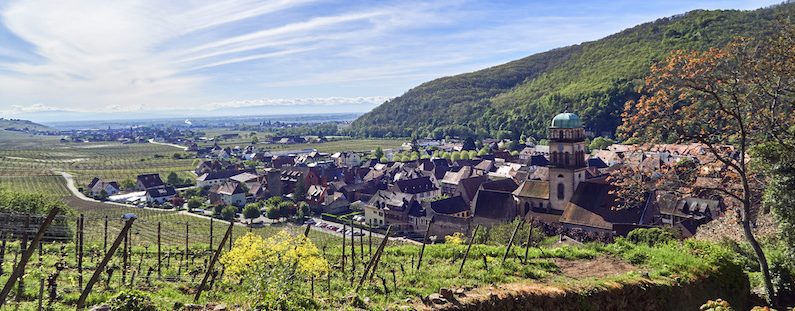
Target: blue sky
{"type": "Point", "coordinates": [206, 56]}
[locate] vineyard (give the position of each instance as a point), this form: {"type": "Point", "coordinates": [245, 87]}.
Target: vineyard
{"type": "Point", "coordinates": [86, 161]}
{"type": "Point", "coordinates": [167, 254]}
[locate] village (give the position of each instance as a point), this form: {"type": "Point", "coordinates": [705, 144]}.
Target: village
{"type": "Point", "coordinates": [421, 189]}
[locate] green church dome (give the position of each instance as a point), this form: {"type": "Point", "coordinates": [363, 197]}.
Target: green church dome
{"type": "Point", "coordinates": [566, 120]}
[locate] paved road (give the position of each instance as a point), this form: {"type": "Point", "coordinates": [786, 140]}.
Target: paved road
{"type": "Point", "coordinates": [70, 184]}
{"type": "Point", "coordinates": [152, 141]}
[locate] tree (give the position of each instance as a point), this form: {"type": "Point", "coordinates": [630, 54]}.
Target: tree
{"type": "Point", "coordinates": [272, 212]}
{"type": "Point", "coordinates": [194, 202]}
{"type": "Point", "coordinates": [251, 211]}
{"type": "Point", "coordinates": [128, 184]}
{"type": "Point", "coordinates": [379, 153]}
{"type": "Point", "coordinates": [228, 212]}
{"type": "Point", "coordinates": [287, 209]}
{"type": "Point", "coordinates": [483, 151]}
{"type": "Point", "coordinates": [455, 156]}
{"type": "Point", "coordinates": [173, 178]}
{"type": "Point", "coordinates": [303, 210]}
{"type": "Point", "coordinates": [728, 100]}
{"type": "Point", "coordinates": [299, 193]}
{"type": "Point", "coordinates": [254, 140]}
{"type": "Point", "coordinates": [218, 210]}
{"type": "Point", "coordinates": [469, 144]}
{"type": "Point", "coordinates": [600, 143]}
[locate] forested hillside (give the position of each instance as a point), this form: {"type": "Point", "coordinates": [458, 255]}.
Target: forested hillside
{"type": "Point", "coordinates": [594, 79]}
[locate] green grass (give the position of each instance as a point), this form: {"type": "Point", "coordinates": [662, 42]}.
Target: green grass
{"type": "Point", "coordinates": [671, 263]}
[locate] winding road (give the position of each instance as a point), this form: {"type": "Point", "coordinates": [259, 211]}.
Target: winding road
{"type": "Point", "coordinates": [70, 184]}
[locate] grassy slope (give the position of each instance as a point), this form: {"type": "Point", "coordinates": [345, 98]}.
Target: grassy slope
{"type": "Point", "coordinates": [596, 78]}
{"type": "Point", "coordinates": [23, 125]}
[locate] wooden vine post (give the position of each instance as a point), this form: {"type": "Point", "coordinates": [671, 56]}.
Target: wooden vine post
{"type": "Point", "coordinates": [424, 241]}
{"type": "Point", "coordinates": [101, 267]}
{"type": "Point", "coordinates": [469, 246]}
{"type": "Point", "coordinates": [529, 240]}
{"type": "Point", "coordinates": [374, 258]}
{"type": "Point", "coordinates": [510, 242]}
{"type": "Point", "coordinates": [20, 268]}
{"type": "Point", "coordinates": [159, 259]}
{"type": "Point", "coordinates": [207, 274]}
{"type": "Point", "coordinates": [80, 252]}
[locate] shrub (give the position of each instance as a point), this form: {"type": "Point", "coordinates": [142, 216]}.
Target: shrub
{"type": "Point", "coordinates": [268, 266]}
{"type": "Point", "coordinates": [228, 212]}
{"type": "Point", "coordinates": [251, 211]}
{"type": "Point", "coordinates": [716, 305]}
{"type": "Point", "coordinates": [455, 239]}
{"type": "Point", "coordinates": [651, 237]}
{"type": "Point", "coordinates": [131, 300]}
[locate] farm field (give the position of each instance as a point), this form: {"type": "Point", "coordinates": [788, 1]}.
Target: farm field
{"type": "Point", "coordinates": [88, 160]}
{"type": "Point", "coordinates": [343, 144]}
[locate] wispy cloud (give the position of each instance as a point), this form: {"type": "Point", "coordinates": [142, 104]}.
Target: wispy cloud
{"type": "Point", "coordinates": [151, 55]}
{"type": "Point", "coordinates": [316, 101]}
{"type": "Point", "coordinates": [17, 109]}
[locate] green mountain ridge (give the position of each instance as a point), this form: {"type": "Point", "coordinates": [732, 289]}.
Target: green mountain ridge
{"type": "Point", "coordinates": [594, 79]}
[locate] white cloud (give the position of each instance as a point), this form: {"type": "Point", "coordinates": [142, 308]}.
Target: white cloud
{"type": "Point", "coordinates": [150, 55]}
{"type": "Point", "coordinates": [17, 109]}
{"type": "Point", "coordinates": [318, 101]}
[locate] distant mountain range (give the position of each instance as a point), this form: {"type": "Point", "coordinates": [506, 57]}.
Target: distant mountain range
{"type": "Point", "coordinates": [594, 79]}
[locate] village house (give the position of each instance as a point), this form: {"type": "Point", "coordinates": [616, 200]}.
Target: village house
{"type": "Point", "coordinates": [160, 195]}
{"type": "Point", "coordinates": [230, 193]}
{"type": "Point", "coordinates": [149, 181]}
{"type": "Point", "coordinates": [421, 188]}
{"type": "Point", "coordinates": [390, 208]}
{"type": "Point", "coordinates": [99, 187]}
{"type": "Point", "coordinates": [216, 177]}
{"type": "Point", "coordinates": [450, 215]}
{"type": "Point", "coordinates": [347, 159]}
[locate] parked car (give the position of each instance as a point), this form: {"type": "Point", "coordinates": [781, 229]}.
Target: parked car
{"type": "Point", "coordinates": [321, 225]}
{"type": "Point", "coordinates": [309, 221]}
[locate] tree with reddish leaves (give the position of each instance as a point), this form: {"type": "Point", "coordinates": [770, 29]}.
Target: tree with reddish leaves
{"type": "Point", "coordinates": [727, 100]}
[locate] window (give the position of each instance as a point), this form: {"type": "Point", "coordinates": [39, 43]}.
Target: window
{"type": "Point", "coordinates": [560, 191]}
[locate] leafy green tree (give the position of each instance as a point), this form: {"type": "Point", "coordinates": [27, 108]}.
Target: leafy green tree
{"type": "Point", "coordinates": [194, 203]}
{"type": "Point", "coordinates": [228, 212]}
{"type": "Point", "coordinates": [383, 160]}
{"type": "Point", "coordinates": [483, 151]}
{"type": "Point", "coordinates": [303, 210]}
{"type": "Point", "coordinates": [218, 210]}
{"type": "Point", "coordinates": [173, 178]}
{"type": "Point", "coordinates": [600, 143]}
{"type": "Point", "coordinates": [251, 211]}
{"type": "Point", "coordinates": [254, 140]}
{"type": "Point", "coordinates": [299, 193]}
{"type": "Point", "coordinates": [272, 212]}
{"type": "Point", "coordinates": [469, 144]}
{"type": "Point", "coordinates": [128, 184]}
{"type": "Point", "coordinates": [287, 209]}
{"type": "Point", "coordinates": [455, 156]}
{"type": "Point", "coordinates": [379, 153]}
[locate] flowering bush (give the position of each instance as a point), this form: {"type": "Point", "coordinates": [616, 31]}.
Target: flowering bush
{"type": "Point", "coordinates": [272, 266]}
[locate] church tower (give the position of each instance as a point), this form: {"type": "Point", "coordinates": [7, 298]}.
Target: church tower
{"type": "Point", "coordinates": [567, 158]}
